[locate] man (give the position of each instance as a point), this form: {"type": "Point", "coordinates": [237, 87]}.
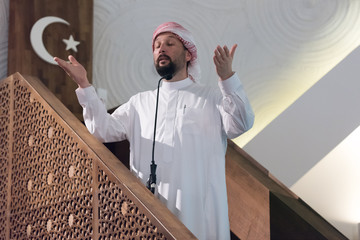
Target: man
{"type": "Point", "coordinates": [194, 122]}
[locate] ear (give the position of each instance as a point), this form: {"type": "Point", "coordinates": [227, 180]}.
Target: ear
{"type": "Point", "coordinates": [188, 56]}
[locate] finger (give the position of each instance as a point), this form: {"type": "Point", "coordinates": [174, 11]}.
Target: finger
{"type": "Point", "coordinates": [56, 59]}
{"type": "Point", "coordinates": [216, 61]}
{"type": "Point", "coordinates": [221, 51]}
{"type": "Point", "coordinates": [226, 50]}
{"type": "Point", "coordinates": [217, 53]}
{"type": "Point", "coordinates": [232, 51]}
{"type": "Point", "coordinates": [60, 62]}
{"type": "Point", "coordinates": [73, 60]}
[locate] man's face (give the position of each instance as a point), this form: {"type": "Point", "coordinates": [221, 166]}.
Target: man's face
{"type": "Point", "coordinates": [170, 56]}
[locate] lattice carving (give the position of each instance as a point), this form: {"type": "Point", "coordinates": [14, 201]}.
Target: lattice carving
{"type": "Point", "coordinates": [59, 187]}
{"type": "Point", "coordinates": [52, 176]}
{"type": "Point", "coordinates": [4, 152]}
{"type": "Point", "coordinates": [119, 217]}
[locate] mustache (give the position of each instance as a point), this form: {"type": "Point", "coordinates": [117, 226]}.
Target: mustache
{"type": "Point", "coordinates": [163, 57]}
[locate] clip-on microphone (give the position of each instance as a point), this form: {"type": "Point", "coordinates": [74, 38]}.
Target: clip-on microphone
{"type": "Point", "coordinates": [151, 183]}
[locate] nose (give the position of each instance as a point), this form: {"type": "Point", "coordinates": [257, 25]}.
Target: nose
{"type": "Point", "coordinates": [162, 48]}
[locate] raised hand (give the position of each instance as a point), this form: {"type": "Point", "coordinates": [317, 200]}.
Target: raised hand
{"type": "Point", "coordinates": [75, 70]}
{"type": "Point", "coordinates": [223, 61]}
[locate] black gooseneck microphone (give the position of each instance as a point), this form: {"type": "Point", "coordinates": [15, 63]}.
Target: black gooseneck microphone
{"type": "Point", "coordinates": [151, 183]}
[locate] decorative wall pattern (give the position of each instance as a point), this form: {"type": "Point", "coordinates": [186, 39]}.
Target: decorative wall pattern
{"type": "Point", "coordinates": [284, 47]}
{"type": "Point", "coordinates": [60, 190]}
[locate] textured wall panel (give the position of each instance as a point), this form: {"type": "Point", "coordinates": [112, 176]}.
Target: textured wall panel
{"type": "Point", "coordinates": [284, 47]}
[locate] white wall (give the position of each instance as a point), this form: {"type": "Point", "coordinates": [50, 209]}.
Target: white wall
{"type": "Point", "coordinates": [313, 125]}
{"type": "Point", "coordinates": [313, 146]}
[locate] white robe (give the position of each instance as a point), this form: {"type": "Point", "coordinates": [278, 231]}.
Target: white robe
{"type": "Point", "coordinates": [193, 125]}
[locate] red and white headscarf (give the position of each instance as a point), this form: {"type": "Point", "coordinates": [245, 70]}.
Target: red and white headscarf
{"type": "Point", "coordinates": [187, 40]}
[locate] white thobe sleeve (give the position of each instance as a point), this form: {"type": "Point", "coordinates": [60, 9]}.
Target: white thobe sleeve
{"type": "Point", "coordinates": [98, 121]}
{"type": "Point", "coordinates": [235, 109]}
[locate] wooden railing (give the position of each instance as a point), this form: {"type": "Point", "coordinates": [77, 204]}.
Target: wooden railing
{"type": "Point", "coordinates": [59, 182]}
{"type": "Point", "coordinates": [261, 207]}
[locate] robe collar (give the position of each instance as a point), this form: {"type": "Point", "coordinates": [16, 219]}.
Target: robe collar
{"type": "Point", "coordinates": [176, 85]}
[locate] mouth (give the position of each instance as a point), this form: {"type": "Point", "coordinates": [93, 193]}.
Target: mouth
{"type": "Point", "coordinates": [163, 58]}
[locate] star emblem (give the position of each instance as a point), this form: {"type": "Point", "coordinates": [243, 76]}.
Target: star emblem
{"type": "Point", "coordinates": [71, 43]}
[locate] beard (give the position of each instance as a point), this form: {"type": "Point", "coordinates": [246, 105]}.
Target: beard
{"type": "Point", "coordinates": [166, 70]}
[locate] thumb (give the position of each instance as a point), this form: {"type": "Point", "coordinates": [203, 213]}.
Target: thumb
{"type": "Point", "coordinates": [232, 51]}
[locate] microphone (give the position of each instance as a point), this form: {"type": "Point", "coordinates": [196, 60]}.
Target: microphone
{"type": "Point", "coordinates": [167, 77]}
{"type": "Point", "coordinates": [151, 183]}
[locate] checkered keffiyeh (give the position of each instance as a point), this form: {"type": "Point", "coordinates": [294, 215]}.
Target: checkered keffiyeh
{"type": "Point", "coordinates": [187, 40]}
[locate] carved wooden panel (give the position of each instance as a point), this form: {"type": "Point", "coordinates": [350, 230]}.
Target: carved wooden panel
{"type": "Point", "coordinates": [119, 217]}
{"type": "Point", "coordinates": [4, 153]}
{"type": "Point", "coordinates": [52, 182]}
{"type": "Point", "coordinates": [60, 189]}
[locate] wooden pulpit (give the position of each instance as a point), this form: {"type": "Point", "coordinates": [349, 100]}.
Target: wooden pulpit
{"type": "Point", "coordinates": [59, 182]}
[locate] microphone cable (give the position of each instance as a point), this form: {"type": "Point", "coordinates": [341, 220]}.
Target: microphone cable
{"type": "Point", "coordinates": [151, 183]}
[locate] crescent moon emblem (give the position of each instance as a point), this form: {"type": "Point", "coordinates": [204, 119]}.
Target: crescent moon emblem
{"type": "Point", "coordinates": [36, 37]}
